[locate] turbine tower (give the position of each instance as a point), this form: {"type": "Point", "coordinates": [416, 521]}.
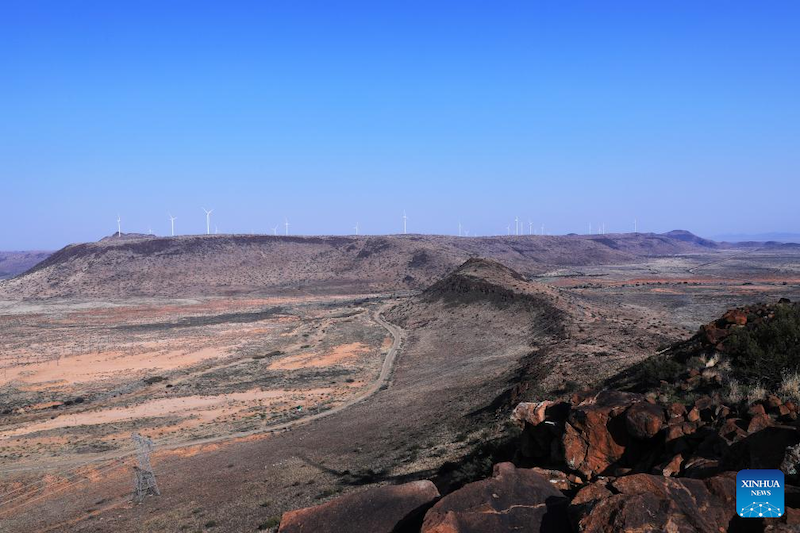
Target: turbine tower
{"type": "Point", "coordinates": [530, 228]}
{"type": "Point", "coordinates": [286, 225]}
{"type": "Point", "coordinates": [356, 228]}
{"type": "Point", "coordinates": [516, 225]}
{"type": "Point", "coordinates": [119, 226]}
{"type": "Point", "coordinates": [542, 229]}
{"type": "Point", "coordinates": [405, 220]}
{"type": "Point", "coordinates": [275, 229]}
{"type": "Point", "coordinates": [208, 220]}
{"type": "Point", "coordinates": [172, 220]}
{"type": "Point", "coordinates": [459, 228]}
{"type": "Point", "coordinates": [635, 226]}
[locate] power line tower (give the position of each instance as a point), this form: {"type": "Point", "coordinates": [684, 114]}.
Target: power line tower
{"type": "Point", "coordinates": [145, 478]}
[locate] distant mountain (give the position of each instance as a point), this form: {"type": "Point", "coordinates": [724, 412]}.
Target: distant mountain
{"type": "Point", "coordinates": [208, 265]}
{"type": "Point", "coordinates": [759, 237]}
{"type": "Point", "coordinates": [14, 263]}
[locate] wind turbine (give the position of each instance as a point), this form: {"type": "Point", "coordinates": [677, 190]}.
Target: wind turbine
{"type": "Point", "coordinates": [542, 229]}
{"type": "Point", "coordinates": [530, 228]}
{"type": "Point", "coordinates": [508, 229]}
{"type": "Point", "coordinates": [208, 220]}
{"type": "Point", "coordinates": [275, 229]}
{"type": "Point", "coordinates": [119, 226]}
{"type": "Point", "coordinates": [590, 228]}
{"type": "Point", "coordinates": [286, 224]}
{"type": "Point", "coordinates": [635, 226]}
{"type": "Point", "coordinates": [216, 230]}
{"type": "Point", "coordinates": [356, 228]}
{"type": "Point", "coordinates": [459, 228]}
{"type": "Point", "coordinates": [172, 220]}
{"type": "Point", "coordinates": [516, 225]}
{"type": "Point", "coordinates": [405, 220]}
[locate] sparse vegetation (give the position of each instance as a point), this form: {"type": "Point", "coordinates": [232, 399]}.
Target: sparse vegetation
{"type": "Point", "coordinates": [271, 522]}
{"type": "Point", "coordinates": [764, 352]}
{"type": "Point", "coordinates": [790, 386]}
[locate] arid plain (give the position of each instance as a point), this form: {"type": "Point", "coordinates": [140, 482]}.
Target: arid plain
{"type": "Point", "coordinates": [264, 395]}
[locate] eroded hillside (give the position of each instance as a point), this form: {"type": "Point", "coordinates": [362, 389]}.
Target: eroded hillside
{"type": "Point", "coordinates": [215, 265]}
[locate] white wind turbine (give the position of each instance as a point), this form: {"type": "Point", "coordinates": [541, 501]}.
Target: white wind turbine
{"type": "Point", "coordinates": [208, 220]}
{"type": "Point", "coordinates": [119, 226]}
{"type": "Point", "coordinates": [542, 229]}
{"type": "Point", "coordinates": [516, 225]}
{"type": "Point", "coordinates": [508, 229]}
{"type": "Point", "coordinates": [356, 228]}
{"type": "Point", "coordinates": [275, 229]}
{"type": "Point", "coordinates": [635, 226]}
{"type": "Point", "coordinates": [405, 220]}
{"type": "Point", "coordinates": [172, 220]}
{"type": "Point", "coordinates": [530, 227]}
{"type": "Point", "coordinates": [286, 225]}
{"type": "Point", "coordinates": [459, 228]}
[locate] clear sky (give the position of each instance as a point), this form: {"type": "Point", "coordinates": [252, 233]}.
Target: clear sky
{"type": "Point", "coordinates": [683, 114]}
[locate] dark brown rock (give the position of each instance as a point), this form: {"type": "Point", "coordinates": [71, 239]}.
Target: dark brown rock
{"type": "Point", "coordinates": [759, 422]}
{"type": "Point", "coordinates": [511, 500]}
{"type": "Point", "coordinates": [644, 420]}
{"type": "Point", "coordinates": [735, 316]}
{"type": "Point", "coordinates": [595, 435]}
{"type": "Point", "coordinates": [676, 410]}
{"type": "Point", "coordinates": [762, 449]}
{"type": "Point", "coordinates": [731, 430]}
{"type": "Point", "coordinates": [672, 467]}
{"type": "Point", "coordinates": [655, 503]}
{"type": "Point", "coordinates": [557, 478]}
{"type": "Point", "coordinates": [380, 509]}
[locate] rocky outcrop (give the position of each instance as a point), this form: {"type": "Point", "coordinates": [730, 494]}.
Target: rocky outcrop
{"type": "Point", "coordinates": [382, 509]}
{"type": "Point", "coordinates": [511, 500]}
{"type": "Point", "coordinates": [644, 502]}
{"type": "Point", "coordinates": [659, 459]}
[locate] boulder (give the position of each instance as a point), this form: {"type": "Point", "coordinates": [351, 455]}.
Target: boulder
{"type": "Point", "coordinates": [673, 466]}
{"type": "Point", "coordinates": [557, 478]}
{"type": "Point", "coordinates": [534, 413]}
{"type": "Point", "coordinates": [644, 420]}
{"type": "Point", "coordinates": [735, 316]}
{"type": "Point", "coordinates": [644, 502]}
{"type": "Point", "coordinates": [762, 449]}
{"type": "Point", "coordinates": [759, 422]}
{"type": "Point", "coordinates": [381, 509]}
{"type": "Point", "coordinates": [595, 436]}
{"type": "Point", "coordinates": [511, 500]}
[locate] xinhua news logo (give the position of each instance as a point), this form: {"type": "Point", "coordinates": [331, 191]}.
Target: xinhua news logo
{"type": "Point", "coordinates": [759, 493]}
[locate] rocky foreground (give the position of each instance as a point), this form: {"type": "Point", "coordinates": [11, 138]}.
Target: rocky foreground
{"type": "Point", "coordinates": [664, 459]}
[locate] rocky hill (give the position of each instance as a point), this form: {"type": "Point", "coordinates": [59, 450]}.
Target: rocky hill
{"type": "Point", "coordinates": [143, 265]}
{"type": "Point", "coordinates": [662, 459]}
{"type": "Point", "coordinates": [14, 263]}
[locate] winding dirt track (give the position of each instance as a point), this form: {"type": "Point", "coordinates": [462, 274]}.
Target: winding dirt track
{"type": "Point", "coordinates": [117, 458]}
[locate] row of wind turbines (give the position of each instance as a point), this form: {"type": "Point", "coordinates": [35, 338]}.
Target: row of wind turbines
{"type": "Point", "coordinates": [519, 226]}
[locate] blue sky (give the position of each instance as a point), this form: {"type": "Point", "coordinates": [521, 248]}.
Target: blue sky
{"type": "Point", "coordinates": [680, 114]}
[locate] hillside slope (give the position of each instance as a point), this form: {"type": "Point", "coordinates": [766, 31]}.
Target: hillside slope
{"type": "Point", "coordinates": [238, 264]}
